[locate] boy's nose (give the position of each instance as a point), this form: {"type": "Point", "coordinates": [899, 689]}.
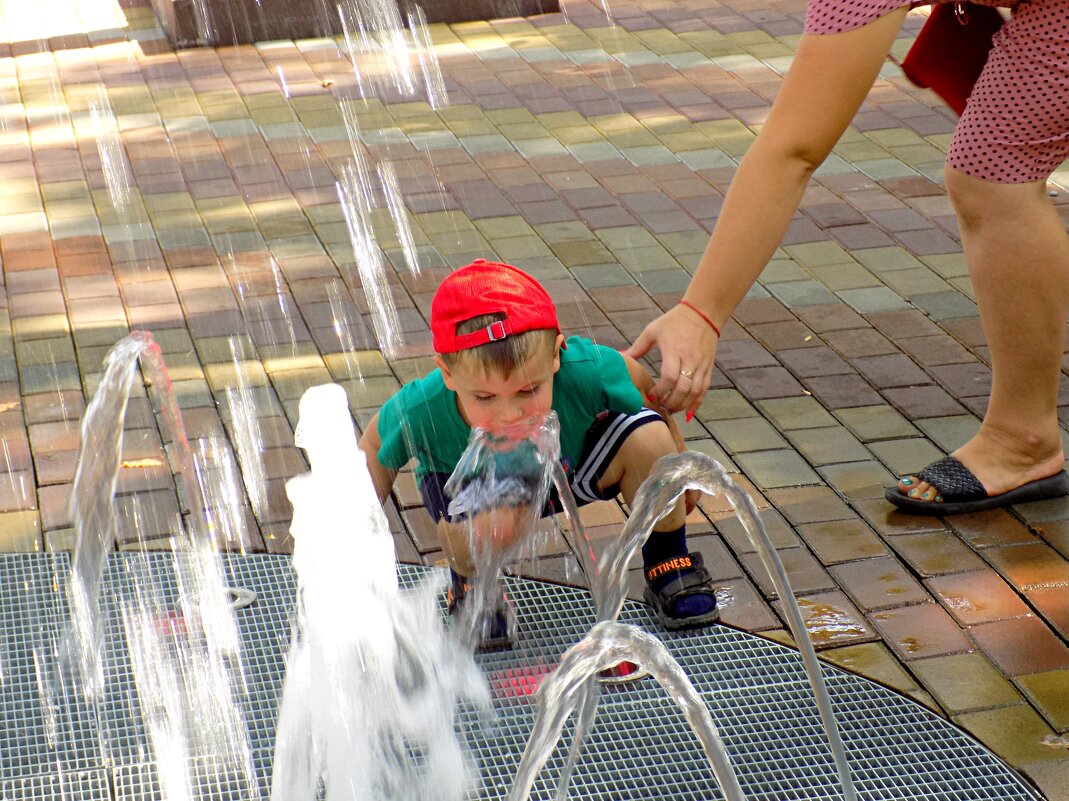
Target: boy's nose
{"type": "Point", "coordinates": [513, 414]}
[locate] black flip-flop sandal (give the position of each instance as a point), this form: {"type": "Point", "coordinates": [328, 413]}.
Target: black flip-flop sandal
{"type": "Point", "coordinates": [691, 578]}
{"type": "Point", "coordinates": [963, 493]}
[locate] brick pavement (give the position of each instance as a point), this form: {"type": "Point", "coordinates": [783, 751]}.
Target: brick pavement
{"type": "Point", "coordinates": [597, 156]}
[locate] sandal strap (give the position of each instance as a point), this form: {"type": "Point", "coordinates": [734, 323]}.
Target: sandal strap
{"type": "Point", "coordinates": [695, 579]}
{"type": "Point", "coordinates": [954, 480]}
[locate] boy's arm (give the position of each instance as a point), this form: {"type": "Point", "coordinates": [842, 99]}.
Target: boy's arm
{"type": "Point", "coordinates": [381, 477]}
{"type": "Point", "coordinates": [643, 381]}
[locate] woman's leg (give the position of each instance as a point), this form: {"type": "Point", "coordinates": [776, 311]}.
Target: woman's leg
{"type": "Point", "coordinates": [1017, 250]}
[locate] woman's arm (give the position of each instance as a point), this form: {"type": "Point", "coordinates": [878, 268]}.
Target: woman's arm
{"type": "Point", "coordinates": [826, 84]}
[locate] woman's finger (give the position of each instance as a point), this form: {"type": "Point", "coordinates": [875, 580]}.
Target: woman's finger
{"type": "Point", "coordinates": [698, 392]}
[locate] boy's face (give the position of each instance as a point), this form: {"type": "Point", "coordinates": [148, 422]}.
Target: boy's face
{"type": "Point", "coordinates": [503, 406]}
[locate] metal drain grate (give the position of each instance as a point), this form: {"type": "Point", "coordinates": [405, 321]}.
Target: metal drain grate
{"type": "Point", "coordinates": [78, 786]}
{"type": "Point", "coordinates": [44, 724]}
{"type": "Point", "coordinates": [641, 747]}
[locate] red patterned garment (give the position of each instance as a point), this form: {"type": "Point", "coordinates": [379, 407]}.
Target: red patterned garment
{"type": "Point", "coordinates": [1015, 128]}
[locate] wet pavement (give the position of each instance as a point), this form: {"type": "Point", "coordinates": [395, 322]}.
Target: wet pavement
{"type": "Point", "coordinates": [595, 156]}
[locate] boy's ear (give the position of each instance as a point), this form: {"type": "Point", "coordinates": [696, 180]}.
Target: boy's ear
{"type": "Point", "coordinates": [447, 376]}
{"type": "Point", "coordinates": [556, 352]}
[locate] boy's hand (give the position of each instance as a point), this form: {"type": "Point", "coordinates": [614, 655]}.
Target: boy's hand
{"type": "Point", "coordinates": [493, 532]}
{"type": "Point", "coordinates": [499, 529]}
{"type": "Point", "coordinates": [691, 498]}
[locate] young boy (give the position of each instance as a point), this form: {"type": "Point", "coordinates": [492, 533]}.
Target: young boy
{"type": "Point", "coordinates": [502, 360]}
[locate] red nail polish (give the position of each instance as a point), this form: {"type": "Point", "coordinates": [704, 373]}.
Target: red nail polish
{"type": "Point", "coordinates": [690, 416]}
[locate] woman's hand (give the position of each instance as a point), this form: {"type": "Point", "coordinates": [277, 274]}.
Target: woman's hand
{"type": "Point", "coordinates": [688, 350]}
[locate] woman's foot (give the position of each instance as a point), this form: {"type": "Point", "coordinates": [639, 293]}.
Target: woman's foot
{"type": "Point", "coordinates": [1000, 462]}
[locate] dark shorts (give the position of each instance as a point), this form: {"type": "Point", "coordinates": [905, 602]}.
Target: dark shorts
{"type": "Point", "coordinates": [602, 443]}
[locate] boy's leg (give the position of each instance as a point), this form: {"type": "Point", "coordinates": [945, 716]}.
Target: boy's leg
{"type": "Point", "coordinates": [620, 454]}
{"type": "Point", "coordinates": [493, 631]}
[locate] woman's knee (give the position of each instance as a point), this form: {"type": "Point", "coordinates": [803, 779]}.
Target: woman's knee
{"type": "Point", "coordinates": [978, 202]}
{"type": "Point", "coordinates": [966, 194]}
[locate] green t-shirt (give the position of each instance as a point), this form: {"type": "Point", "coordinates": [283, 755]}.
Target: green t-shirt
{"type": "Point", "coordinates": [422, 421]}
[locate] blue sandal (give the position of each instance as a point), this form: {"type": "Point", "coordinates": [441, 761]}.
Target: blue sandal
{"type": "Point", "coordinates": [689, 577]}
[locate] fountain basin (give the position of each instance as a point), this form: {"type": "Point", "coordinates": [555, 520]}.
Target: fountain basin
{"type": "Point", "coordinates": [247, 21]}
{"type": "Point", "coordinates": [640, 748]}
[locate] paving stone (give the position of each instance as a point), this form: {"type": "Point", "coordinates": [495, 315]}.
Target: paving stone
{"type": "Point", "coordinates": [1016, 733]}
{"type": "Point", "coordinates": [1056, 534]}
{"type": "Point", "coordinates": [921, 402]}
{"type": "Point", "coordinates": [830, 317]}
{"type": "Point", "coordinates": [842, 391]}
{"type": "Point", "coordinates": [794, 413]}
{"type": "Point", "coordinates": [739, 353]}
{"type": "Point", "coordinates": [873, 661]}
{"type": "Point", "coordinates": [920, 631]}
{"type": "Point", "coordinates": [965, 682]}
{"type": "Point", "coordinates": [855, 342]}
{"type": "Point", "coordinates": [879, 583]}
{"type": "Point", "coordinates": [967, 380]}
{"type": "Point", "coordinates": [801, 505]}
{"type": "Point", "coordinates": [823, 446]}
{"type": "Point", "coordinates": [894, 370]}
{"type": "Point", "coordinates": [742, 606]}
{"type": "Point", "coordinates": [805, 574]}
{"type": "Point", "coordinates": [947, 305]}
{"type": "Point", "coordinates": [778, 468]}
{"type": "Point", "coordinates": [845, 278]}
{"type": "Point", "coordinates": [935, 553]}
{"type": "Point", "coordinates": [873, 423]}
{"type": "Point", "coordinates": [837, 541]}
{"type": "Point", "coordinates": [889, 522]}
{"type": "Point", "coordinates": [711, 449]}
{"type": "Point", "coordinates": [1043, 511]}
{"type": "Point", "coordinates": [719, 560]}
{"type": "Point", "coordinates": [935, 350]}
{"type": "Point", "coordinates": [783, 335]}
{"type": "Point", "coordinates": [779, 532]}
{"type": "Point", "coordinates": [745, 434]}
{"type": "Point", "coordinates": [1049, 692]}
{"type": "Point", "coordinates": [950, 433]}
{"type": "Point", "coordinates": [796, 293]}
{"type": "Point", "coordinates": [831, 620]}
{"type": "Point", "coordinates": [858, 480]}
{"type": "Point", "coordinates": [978, 596]}
{"type": "Point", "coordinates": [758, 383]}
{"type": "Point", "coordinates": [886, 259]}
{"type": "Point", "coordinates": [1021, 645]}
{"type": "Point", "coordinates": [20, 532]}
{"type": "Point", "coordinates": [1050, 777]}
{"type": "Point", "coordinates": [872, 299]}
{"type": "Point", "coordinates": [814, 362]}
{"type": "Point", "coordinates": [1029, 566]}
{"type": "Point", "coordinates": [993, 528]}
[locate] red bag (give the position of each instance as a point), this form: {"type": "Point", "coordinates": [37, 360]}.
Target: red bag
{"type": "Point", "coordinates": [951, 50]}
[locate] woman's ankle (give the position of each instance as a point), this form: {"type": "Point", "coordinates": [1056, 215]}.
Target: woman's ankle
{"type": "Point", "coordinates": [1022, 445]}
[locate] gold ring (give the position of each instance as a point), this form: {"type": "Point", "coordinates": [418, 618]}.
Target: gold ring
{"type": "Point", "coordinates": [687, 373]}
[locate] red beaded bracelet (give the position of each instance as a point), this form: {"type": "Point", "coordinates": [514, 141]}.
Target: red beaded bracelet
{"type": "Point", "coordinates": [701, 314]}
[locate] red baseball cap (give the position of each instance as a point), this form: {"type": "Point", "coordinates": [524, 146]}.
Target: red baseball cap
{"type": "Point", "coordinates": [488, 287]}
